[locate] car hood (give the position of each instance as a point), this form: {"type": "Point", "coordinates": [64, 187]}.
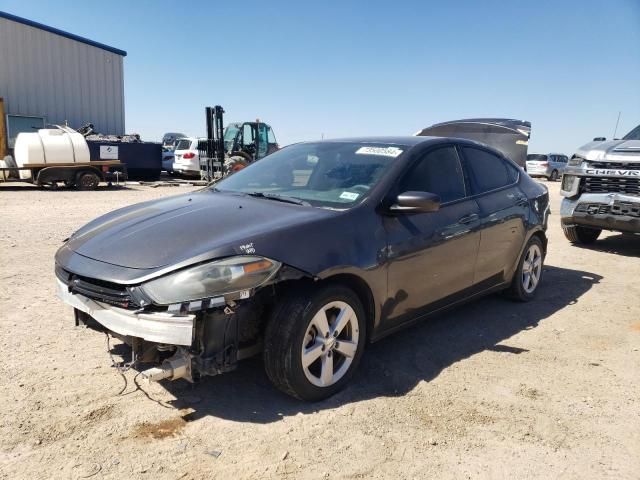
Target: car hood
{"type": "Point", "coordinates": [188, 228]}
{"type": "Point", "coordinates": [614, 150]}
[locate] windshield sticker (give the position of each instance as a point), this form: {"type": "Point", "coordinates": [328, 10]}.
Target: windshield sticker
{"type": "Point", "coordinates": [383, 151]}
{"type": "Point", "coordinates": [349, 196]}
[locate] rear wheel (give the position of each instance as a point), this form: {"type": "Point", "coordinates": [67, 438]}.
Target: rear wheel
{"type": "Point", "coordinates": [583, 235]}
{"type": "Point", "coordinates": [87, 181]}
{"type": "Point", "coordinates": [529, 272]}
{"type": "Point", "coordinates": [314, 342]}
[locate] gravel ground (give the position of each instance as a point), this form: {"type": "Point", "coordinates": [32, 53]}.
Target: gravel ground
{"type": "Point", "coordinates": [547, 389]}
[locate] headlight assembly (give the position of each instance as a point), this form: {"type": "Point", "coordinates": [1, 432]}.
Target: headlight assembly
{"type": "Point", "coordinates": [575, 162]}
{"type": "Point", "coordinates": [569, 186]}
{"type": "Point", "coordinates": [211, 279]}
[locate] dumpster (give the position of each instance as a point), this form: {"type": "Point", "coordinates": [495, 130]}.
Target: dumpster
{"type": "Point", "coordinates": [143, 159]}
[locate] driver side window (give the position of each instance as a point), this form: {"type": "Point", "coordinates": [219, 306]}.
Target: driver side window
{"type": "Point", "coordinates": [440, 172]}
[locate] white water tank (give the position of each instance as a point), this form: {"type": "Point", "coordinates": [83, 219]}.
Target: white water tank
{"type": "Point", "coordinates": [50, 145]}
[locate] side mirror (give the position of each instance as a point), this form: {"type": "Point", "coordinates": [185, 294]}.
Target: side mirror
{"type": "Point", "coordinates": [418, 202]}
{"type": "Point", "coordinates": [600, 139]}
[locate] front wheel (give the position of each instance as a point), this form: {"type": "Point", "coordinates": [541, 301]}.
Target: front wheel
{"type": "Point", "coordinates": [314, 342]}
{"type": "Point", "coordinates": [529, 272]}
{"type": "Point", "coordinates": [583, 235]}
{"type": "Point", "coordinates": [554, 176]}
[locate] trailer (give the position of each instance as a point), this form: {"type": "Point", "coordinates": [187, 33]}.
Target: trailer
{"type": "Point", "coordinates": [59, 155]}
{"type": "Point", "coordinates": [83, 176]}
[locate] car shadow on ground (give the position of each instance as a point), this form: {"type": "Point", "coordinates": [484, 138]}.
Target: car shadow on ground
{"type": "Point", "coordinates": [627, 245]}
{"type": "Point", "coordinates": [394, 365]}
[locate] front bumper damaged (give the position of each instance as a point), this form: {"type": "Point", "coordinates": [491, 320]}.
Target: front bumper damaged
{"type": "Point", "coordinates": [608, 211]}
{"type": "Point", "coordinates": [157, 327]}
{"type": "Point", "coordinates": [206, 342]}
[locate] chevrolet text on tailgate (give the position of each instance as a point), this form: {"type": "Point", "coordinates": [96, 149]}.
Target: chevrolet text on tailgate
{"type": "Point", "coordinates": [601, 186]}
{"type": "Point", "coordinates": [306, 256]}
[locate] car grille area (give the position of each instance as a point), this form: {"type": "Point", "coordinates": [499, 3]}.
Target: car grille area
{"type": "Point", "coordinates": [618, 208]}
{"type": "Point", "coordinates": [615, 165]}
{"type": "Point", "coordinates": [98, 290]}
{"type": "Point", "coordinates": [628, 185]}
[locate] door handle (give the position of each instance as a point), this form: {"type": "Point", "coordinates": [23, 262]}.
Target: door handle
{"type": "Point", "coordinates": [469, 218]}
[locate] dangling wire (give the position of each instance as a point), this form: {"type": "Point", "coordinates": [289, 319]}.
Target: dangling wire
{"type": "Point", "coordinates": [121, 367]}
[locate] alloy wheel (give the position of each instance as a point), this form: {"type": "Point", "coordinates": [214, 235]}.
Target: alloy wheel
{"type": "Point", "coordinates": [330, 344]}
{"type": "Point", "coordinates": [531, 268]}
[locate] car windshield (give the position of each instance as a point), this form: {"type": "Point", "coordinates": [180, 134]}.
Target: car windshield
{"type": "Point", "coordinates": [183, 144]}
{"type": "Point", "coordinates": [323, 174]}
{"type": "Point", "coordinates": [536, 158]}
{"type": "Point", "coordinates": [633, 134]}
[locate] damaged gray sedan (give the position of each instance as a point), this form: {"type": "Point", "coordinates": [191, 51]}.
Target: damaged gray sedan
{"type": "Point", "coordinates": [306, 256]}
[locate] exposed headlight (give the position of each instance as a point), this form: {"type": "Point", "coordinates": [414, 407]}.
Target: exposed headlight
{"type": "Point", "coordinates": [570, 184]}
{"type": "Point", "coordinates": [575, 161]}
{"type": "Point", "coordinates": [211, 279]}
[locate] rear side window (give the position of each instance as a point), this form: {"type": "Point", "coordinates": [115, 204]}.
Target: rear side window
{"type": "Point", "coordinates": [488, 171]}
{"type": "Point", "coordinates": [439, 172]}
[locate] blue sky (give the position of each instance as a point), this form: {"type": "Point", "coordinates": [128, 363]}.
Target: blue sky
{"type": "Point", "coordinates": [341, 68]}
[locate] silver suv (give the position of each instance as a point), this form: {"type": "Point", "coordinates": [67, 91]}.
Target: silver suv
{"type": "Point", "coordinates": [550, 165]}
{"type": "Point", "coordinates": [601, 186]}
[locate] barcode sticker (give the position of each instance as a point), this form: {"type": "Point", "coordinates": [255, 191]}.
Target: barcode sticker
{"type": "Point", "coordinates": [383, 151]}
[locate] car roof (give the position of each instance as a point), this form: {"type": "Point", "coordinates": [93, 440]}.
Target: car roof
{"type": "Point", "coordinates": [394, 140]}
{"type": "Point", "coordinates": [407, 141]}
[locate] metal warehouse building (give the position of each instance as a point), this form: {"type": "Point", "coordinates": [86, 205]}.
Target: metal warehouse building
{"type": "Point", "coordinates": [48, 76]}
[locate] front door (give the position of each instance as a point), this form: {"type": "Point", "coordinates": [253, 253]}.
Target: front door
{"type": "Point", "coordinates": [431, 256]}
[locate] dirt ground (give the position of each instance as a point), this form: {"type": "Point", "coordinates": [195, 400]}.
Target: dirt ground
{"type": "Point", "coordinates": [548, 389]}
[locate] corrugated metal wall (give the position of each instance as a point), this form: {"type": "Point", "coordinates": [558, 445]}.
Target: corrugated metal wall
{"type": "Point", "coordinates": [48, 75]}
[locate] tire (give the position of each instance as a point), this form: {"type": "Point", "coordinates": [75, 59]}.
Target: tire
{"type": "Point", "coordinates": [528, 275]}
{"type": "Point", "coordinates": [554, 176]}
{"type": "Point", "coordinates": [87, 181]}
{"type": "Point", "coordinates": [235, 164]}
{"type": "Point", "coordinates": [296, 326]}
{"type": "Point", "coordinates": [581, 235]}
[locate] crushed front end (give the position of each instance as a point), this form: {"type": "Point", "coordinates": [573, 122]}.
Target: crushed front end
{"type": "Point", "coordinates": [601, 190]}
{"type": "Point", "coordinates": [188, 339]}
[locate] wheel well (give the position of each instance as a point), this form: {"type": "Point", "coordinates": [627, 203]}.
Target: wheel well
{"type": "Point", "coordinates": [543, 238]}
{"type": "Point", "coordinates": [361, 289]}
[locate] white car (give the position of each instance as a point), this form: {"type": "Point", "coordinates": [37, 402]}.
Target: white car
{"type": "Point", "coordinates": [186, 159]}
{"type": "Point", "coordinates": [169, 141]}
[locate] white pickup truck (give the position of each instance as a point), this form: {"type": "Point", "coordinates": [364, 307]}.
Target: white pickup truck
{"type": "Point", "coordinates": [601, 186]}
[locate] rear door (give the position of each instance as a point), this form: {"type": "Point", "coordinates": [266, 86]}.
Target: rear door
{"type": "Point", "coordinates": [503, 211]}
{"type": "Point", "coordinates": [431, 255]}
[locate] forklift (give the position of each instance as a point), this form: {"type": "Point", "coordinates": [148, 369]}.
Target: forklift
{"type": "Point", "coordinates": [227, 150]}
